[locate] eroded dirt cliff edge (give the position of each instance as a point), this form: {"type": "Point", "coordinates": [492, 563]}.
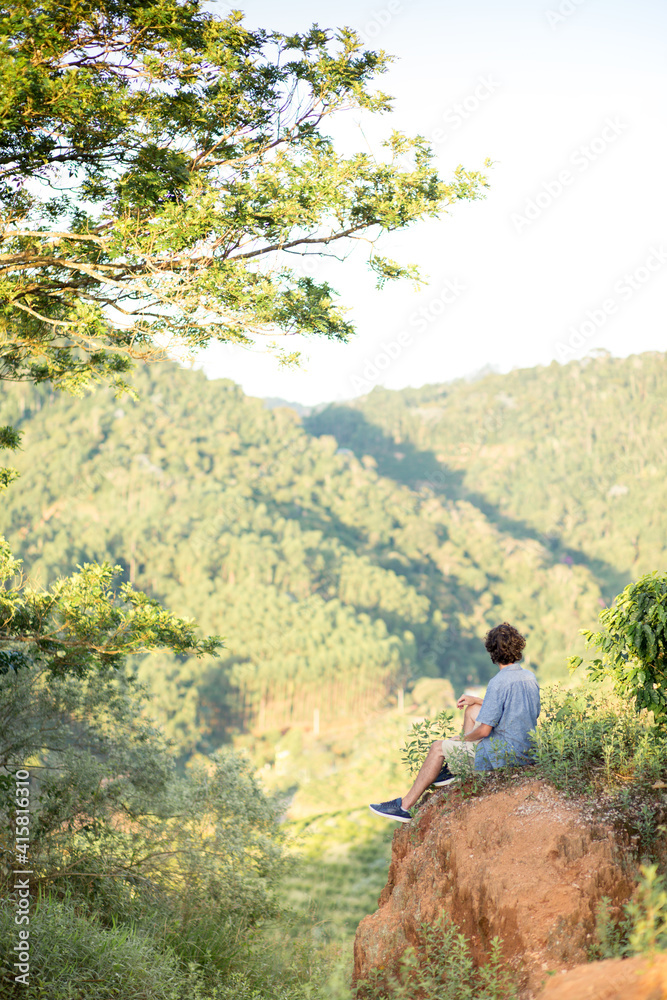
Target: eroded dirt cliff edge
{"type": "Point", "coordinates": [523, 863]}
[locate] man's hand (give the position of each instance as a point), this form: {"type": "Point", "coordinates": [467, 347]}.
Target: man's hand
{"type": "Point", "coordinates": [468, 699]}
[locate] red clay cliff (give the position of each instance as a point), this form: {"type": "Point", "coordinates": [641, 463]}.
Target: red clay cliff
{"type": "Point", "coordinates": [522, 863]}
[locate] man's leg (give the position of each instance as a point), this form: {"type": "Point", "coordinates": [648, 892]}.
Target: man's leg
{"type": "Point", "coordinates": [431, 768]}
{"type": "Point", "coordinates": [428, 772]}
{"type": "Point", "coordinates": [470, 718]}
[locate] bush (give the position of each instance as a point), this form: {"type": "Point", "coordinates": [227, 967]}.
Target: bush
{"type": "Point", "coordinates": [633, 643]}
{"type": "Point", "coordinates": [589, 740]}
{"type": "Point", "coordinates": [442, 967]}
{"type": "Point", "coordinates": [72, 955]}
{"type": "Point", "coordinates": [421, 736]}
{"type": "Point", "coordinates": [642, 927]}
{"type": "Point", "coordinates": [647, 914]}
{"type": "Point", "coordinates": [118, 831]}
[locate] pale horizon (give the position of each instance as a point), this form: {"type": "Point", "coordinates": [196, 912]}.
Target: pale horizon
{"type": "Point", "coordinates": [566, 255]}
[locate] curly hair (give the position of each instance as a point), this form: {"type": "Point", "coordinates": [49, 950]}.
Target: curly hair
{"type": "Point", "coordinates": [504, 644]}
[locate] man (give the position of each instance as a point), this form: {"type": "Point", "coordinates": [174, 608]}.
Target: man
{"type": "Point", "coordinates": [495, 730]}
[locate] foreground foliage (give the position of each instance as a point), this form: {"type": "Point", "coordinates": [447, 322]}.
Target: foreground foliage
{"type": "Point", "coordinates": [422, 735]}
{"type": "Point", "coordinates": [86, 621]}
{"type": "Point", "coordinates": [587, 740]}
{"type": "Point", "coordinates": [180, 864]}
{"type": "Point", "coordinates": [442, 966]}
{"type": "Point", "coordinates": [641, 928]}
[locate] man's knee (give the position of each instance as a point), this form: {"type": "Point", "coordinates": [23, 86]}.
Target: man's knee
{"type": "Point", "coordinates": [436, 747]}
{"type": "Point", "coordinates": [470, 717]}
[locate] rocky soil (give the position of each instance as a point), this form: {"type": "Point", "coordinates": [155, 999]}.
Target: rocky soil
{"type": "Point", "coordinates": [522, 863]}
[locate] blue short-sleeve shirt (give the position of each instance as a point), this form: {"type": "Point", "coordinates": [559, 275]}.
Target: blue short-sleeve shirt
{"type": "Point", "coordinates": [511, 707]}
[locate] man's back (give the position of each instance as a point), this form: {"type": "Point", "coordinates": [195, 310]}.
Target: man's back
{"type": "Point", "coordinates": [511, 707]}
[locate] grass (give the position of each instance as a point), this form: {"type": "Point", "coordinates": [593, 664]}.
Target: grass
{"type": "Point", "coordinates": [72, 955]}
{"type": "Point", "coordinates": [340, 874]}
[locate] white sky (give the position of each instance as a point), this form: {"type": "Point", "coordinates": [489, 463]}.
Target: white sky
{"type": "Point", "coordinates": [524, 289]}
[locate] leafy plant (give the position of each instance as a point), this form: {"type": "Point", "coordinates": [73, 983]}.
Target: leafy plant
{"type": "Point", "coordinates": [442, 966]}
{"type": "Point", "coordinates": [642, 927]}
{"type": "Point", "coordinates": [588, 739]}
{"type": "Point", "coordinates": [422, 735]}
{"type": "Point", "coordinates": [633, 643]}
{"type": "Point", "coordinates": [74, 954]}
{"type": "Point", "coordinates": [192, 149]}
{"type": "Point", "coordinates": [86, 620]}
{"type": "Point", "coordinates": [647, 913]}
{"type": "Point", "coordinates": [610, 934]}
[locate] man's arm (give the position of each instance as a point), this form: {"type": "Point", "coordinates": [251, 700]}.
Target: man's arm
{"type": "Point", "coordinates": [478, 733]}
{"type": "Point", "coordinates": [472, 731]}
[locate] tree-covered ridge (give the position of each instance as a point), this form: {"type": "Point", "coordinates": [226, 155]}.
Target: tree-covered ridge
{"type": "Point", "coordinates": [573, 455]}
{"type": "Point", "coordinates": [331, 584]}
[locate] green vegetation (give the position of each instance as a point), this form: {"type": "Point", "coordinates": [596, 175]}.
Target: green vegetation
{"type": "Point", "coordinates": [442, 966]}
{"type": "Point", "coordinates": [642, 926]}
{"type": "Point", "coordinates": [153, 154]}
{"type": "Point", "coordinates": [633, 641]}
{"type": "Point", "coordinates": [158, 165]}
{"type": "Point", "coordinates": [570, 457]}
{"type": "Point", "coordinates": [338, 589]}
{"type": "Point", "coordinates": [84, 622]}
{"type": "Point", "coordinates": [75, 953]}
{"type": "Point", "coordinates": [182, 865]}
{"type": "Point", "coordinates": [588, 740]}
{"type": "Point", "coordinates": [334, 586]}
{"type": "Point", "coordinates": [422, 735]}
{"type": "Point", "coordinates": [647, 914]}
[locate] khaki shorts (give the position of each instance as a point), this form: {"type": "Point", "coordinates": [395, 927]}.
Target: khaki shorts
{"type": "Point", "coordinates": [459, 754]}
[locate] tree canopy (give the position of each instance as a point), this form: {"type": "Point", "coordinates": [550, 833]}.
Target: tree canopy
{"type": "Point", "coordinates": [161, 166]}
{"type": "Point", "coordinates": [568, 454]}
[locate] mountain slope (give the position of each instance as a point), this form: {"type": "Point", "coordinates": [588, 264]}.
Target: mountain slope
{"type": "Point", "coordinates": [573, 456]}
{"type": "Point", "coordinates": [333, 584]}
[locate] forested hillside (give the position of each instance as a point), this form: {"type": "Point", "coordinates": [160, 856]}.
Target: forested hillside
{"type": "Point", "coordinates": [334, 583]}
{"type": "Point", "coordinates": [572, 456]}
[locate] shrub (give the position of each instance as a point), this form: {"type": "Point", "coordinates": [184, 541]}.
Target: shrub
{"type": "Point", "coordinates": [116, 828]}
{"type": "Point", "coordinates": [642, 927]}
{"type": "Point", "coordinates": [633, 643]}
{"type": "Point", "coordinates": [590, 740]}
{"type": "Point", "coordinates": [647, 914]}
{"type": "Point", "coordinates": [421, 736]}
{"type": "Point", "coordinates": [73, 955]}
{"type": "Point", "coordinates": [442, 967]}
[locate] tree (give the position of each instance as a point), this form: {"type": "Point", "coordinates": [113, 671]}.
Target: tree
{"type": "Point", "coordinates": [85, 621]}
{"type": "Point", "coordinates": [633, 642]}
{"type": "Point", "coordinates": [117, 833]}
{"type": "Point", "coordinates": [160, 167]}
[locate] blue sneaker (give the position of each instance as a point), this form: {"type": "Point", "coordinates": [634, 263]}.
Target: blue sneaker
{"type": "Point", "coordinates": [444, 778]}
{"type": "Point", "coordinates": [391, 810]}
